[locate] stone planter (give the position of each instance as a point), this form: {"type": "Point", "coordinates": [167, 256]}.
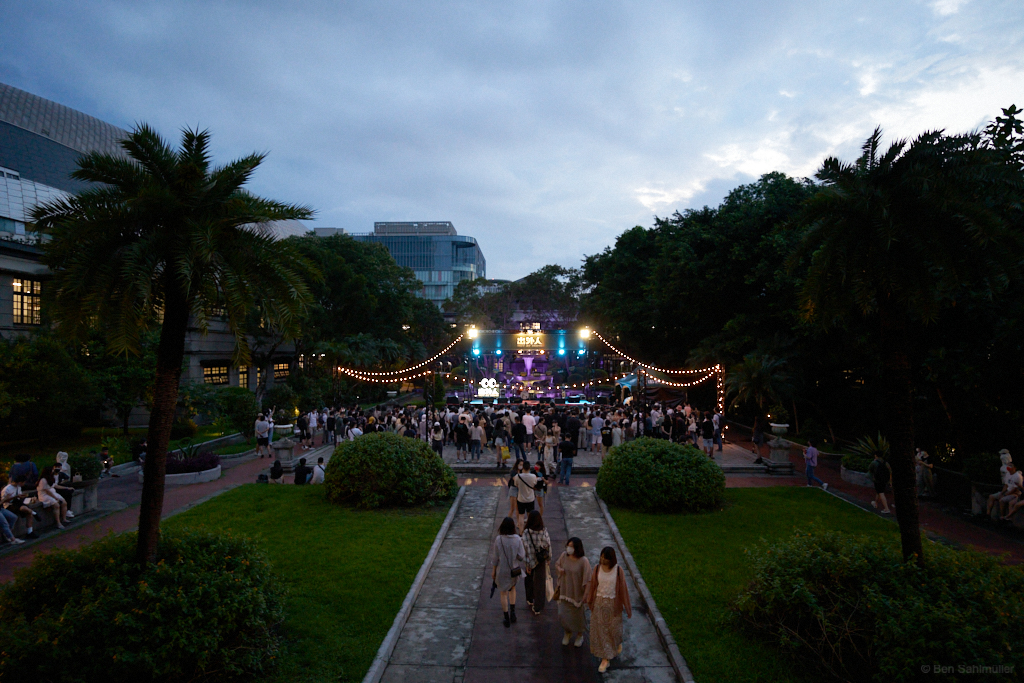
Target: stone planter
{"type": "Point", "coordinates": [189, 477]}
{"type": "Point", "coordinates": [283, 451]}
{"type": "Point", "coordinates": [86, 497]}
{"type": "Point", "coordinates": [856, 478]}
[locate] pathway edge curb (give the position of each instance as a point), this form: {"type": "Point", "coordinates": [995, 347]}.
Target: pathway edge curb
{"type": "Point", "coordinates": [660, 625]}
{"type": "Point", "coordinates": [387, 647]}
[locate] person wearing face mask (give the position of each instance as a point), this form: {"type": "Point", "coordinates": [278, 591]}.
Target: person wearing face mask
{"type": "Point", "coordinates": [607, 597]}
{"type": "Point", "coordinates": [573, 569]}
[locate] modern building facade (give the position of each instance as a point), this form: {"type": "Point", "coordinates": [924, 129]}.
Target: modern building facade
{"type": "Point", "coordinates": [40, 143]}
{"type": "Point", "coordinates": [437, 254]}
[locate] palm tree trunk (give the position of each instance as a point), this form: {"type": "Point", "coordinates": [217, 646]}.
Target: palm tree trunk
{"type": "Point", "coordinates": [169, 355]}
{"type": "Point", "coordinates": [897, 388]}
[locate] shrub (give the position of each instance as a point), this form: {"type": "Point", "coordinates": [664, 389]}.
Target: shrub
{"type": "Point", "coordinates": [655, 475]}
{"type": "Point", "coordinates": [86, 465]}
{"type": "Point", "coordinates": [387, 470]}
{"type": "Point", "coordinates": [983, 468]}
{"type": "Point", "coordinates": [857, 463]}
{"type": "Point", "coordinates": [237, 410]}
{"type": "Point", "coordinates": [207, 610]}
{"type": "Point", "coordinates": [183, 429]}
{"type": "Point", "coordinates": [853, 607]}
{"type": "Point", "coordinates": [182, 463]}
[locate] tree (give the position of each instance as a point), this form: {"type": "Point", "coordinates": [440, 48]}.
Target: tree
{"type": "Point", "coordinates": [896, 237]}
{"type": "Point", "coordinates": [760, 380]}
{"type": "Point", "coordinates": [125, 379]}
{"type": "Point", "coordinates": [164, 236]}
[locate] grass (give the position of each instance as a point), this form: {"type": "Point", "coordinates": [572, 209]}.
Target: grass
{"type": "Point", "coordinates": [346, 571]}
{"type": "Point", "coordinates": [695, 567]}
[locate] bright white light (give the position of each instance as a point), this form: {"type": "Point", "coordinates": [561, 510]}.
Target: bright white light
{"type": "Point", "coordinates": [585, 333]}
{"type": "Point", "coordinates": [472, 333]}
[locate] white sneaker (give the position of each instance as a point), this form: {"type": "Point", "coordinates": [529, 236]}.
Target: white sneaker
{"type": "Point", "coordinates": [579, 641]}
{"type": "Point", "coordinates": [71, 515]}
{"type": "Point", "coordinates": [17, 541]}
{"type": "Point", "coordinates": [566, 638]}
{"type": "Point", "coordinates": [824, 487]}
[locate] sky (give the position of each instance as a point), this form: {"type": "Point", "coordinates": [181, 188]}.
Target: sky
{"type": "Point", "coordinates": [542, 129]}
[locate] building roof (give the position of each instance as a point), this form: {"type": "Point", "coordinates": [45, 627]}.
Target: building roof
{"type": "Point", "coordinates": [63, 125]}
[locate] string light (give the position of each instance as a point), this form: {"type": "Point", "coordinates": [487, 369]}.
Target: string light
{"type": "Point", "coordinates": [405, 371]}
{"type": "Point", "coordinates": [652, 367]}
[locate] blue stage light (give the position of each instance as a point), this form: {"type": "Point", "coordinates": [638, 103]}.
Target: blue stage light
{"type": "Point", "coordinates": [476, 352]}
{"type": "Point", "coordinates": [561, 352]}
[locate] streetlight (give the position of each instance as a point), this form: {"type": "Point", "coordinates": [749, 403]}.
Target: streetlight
{"type": "Point", "coordinates": [585, 336]}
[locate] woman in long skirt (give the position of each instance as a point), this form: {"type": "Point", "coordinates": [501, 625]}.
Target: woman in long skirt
{"type": "Point", "coordinates": [573, 570]}
{"type": "Point", "coordinates": [538, 553]}
{"type": "Point", "coordinates": [607, 597]}
{"type": "Point", "coordinates": [508, 554]}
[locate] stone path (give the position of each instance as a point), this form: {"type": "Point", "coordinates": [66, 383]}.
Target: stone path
{"type": "Point", "coordinates": [455, 632]}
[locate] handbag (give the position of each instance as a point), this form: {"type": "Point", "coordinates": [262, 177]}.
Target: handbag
{"type": "Point", "coordinates": [549, 588]}
{"type": "Point", "coordinates": [505, 455]}
{"type": "Point", "coordinates": [516, 571]}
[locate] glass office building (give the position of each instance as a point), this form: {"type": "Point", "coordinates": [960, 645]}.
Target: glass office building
{"type": "Point", "coordinates": [440, 257]}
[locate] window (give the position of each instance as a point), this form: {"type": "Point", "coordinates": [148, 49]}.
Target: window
{"type": "Point", "coordinates": [215, 374]}
{"type": "Point", "coordinates": [243, 376]}
{"type": "Point", "coordinates": [26, 302]}
{"type": "Point", "coordinates": [281, 370]}
{"type": "Point", "coordinates": [259, 377]}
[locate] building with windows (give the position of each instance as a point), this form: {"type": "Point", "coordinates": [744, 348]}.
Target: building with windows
{"type": "Point", "coordinates": [437, 254]}
{"type": "Point", "coordinates": [40, 143]}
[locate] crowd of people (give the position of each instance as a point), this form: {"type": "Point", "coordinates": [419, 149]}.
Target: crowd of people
{"type": "Point", "coordinates": [27, 484]}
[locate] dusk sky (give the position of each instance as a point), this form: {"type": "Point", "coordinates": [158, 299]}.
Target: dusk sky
{"type": "Point", "coordinates": [543, 129]}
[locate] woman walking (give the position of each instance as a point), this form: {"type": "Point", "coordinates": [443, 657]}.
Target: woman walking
{"type": "Point", "coordinates": [513, 489]}
{"type": "Point", "coordinates": [607, 597]}
{"type": "Point", "coordinates": [538, 554]}
{"type": "Point", "coordinates": [573, 569]}
{"type": "Point", "coordinates": [508, 552]}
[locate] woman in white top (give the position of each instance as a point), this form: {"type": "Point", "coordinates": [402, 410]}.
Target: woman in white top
{"type": "Point", "coordinates": [50, 498]}
{"type": "Point", "coordinates": [607, 597]}
{"type": "Point", "coordinates": [616, 434]}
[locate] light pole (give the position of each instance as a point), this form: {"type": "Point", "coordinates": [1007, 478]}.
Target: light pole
{"type": "Point", "coordinates": [585, 336]}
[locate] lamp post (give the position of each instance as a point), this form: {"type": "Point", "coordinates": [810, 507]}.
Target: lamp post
{"type": "Point", "coordinates": [585, 336]}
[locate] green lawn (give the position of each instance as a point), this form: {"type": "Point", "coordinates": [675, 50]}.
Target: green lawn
{"type": "Point", "coordinates": [695, 566]}
{"type": "Point", "coordinates": [346, 572]}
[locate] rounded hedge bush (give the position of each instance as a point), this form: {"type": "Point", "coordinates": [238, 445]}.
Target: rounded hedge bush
{"type": "Point", "coordinates": [387, 470]}
{"type": "Point", "coordinates": [853, 608]}
{"type": "Point", "coordinates": [207, 610]}
{"type": "Point", "coordinates": [655, 475]}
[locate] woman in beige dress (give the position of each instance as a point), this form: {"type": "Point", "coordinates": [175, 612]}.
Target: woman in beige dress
{"type": "Point", "coordinates": [607, 597]}
{"type": "Point", "coordinates": [573, 570]}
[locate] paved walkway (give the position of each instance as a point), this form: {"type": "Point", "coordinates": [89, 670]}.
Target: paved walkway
{"type": "Point", "coordinates": [124, 491]}
{"type": "Point", "coordinates": [455, 632]}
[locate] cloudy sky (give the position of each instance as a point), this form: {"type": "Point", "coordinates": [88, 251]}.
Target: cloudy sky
{"type": "Point", "coordinates": [543, 129]}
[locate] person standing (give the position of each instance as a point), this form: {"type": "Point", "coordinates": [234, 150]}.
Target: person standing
{"type": "Point", "coordinates": [476, 437]}
{"type": "Point", "coordinates": [538, 554]}
{"type": "Point", "coordinates": [540, 435]}
{"type": "Point", "coordinates": [572, 427]}
{"type": "Point", "coordinates": [567, 450]}
{"type": "Point", "coordinates": [757, 437]}
{"type": "Point", "coordinates": [462, 440]}
{"type": "Point", "coordinates": [303, 424]}
{"type": "Point", "coordinates": [810, 462]}
{"type": "Point", "coordinates": [262, 430]}
{"type": "Point", "coordinates": [719, 421]}
{"type": "Point", "coordinates": [529, 422]}
{"type": "Point", "coordinates": [607, 598]}
{"type": "Point", "coordinates": [596, 425]}
{"type": "Point", "coordinates": [332, 422]}
{"type": "Point", "coordinates": [573, 570]}
{"type": "Point", "coordinates": [507, 553]}
{"type": "Point", "coordinates": [526, 496]}
{"type": "Point", "coordinates": [707, 433]}
{"type": "Point", "coordinates": [437, 439]}
{"type": "Point", "coordinates": [519, 439]}
{"type": "Point", "coordinates": [881, 474]}
{"type": "Point", "coordinates": [607, 438]}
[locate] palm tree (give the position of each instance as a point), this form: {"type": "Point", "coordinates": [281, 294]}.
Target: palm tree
{"type": "Point", "coordinates": [760, 379]}
{"type": "Point", "coordinates": [164, 237]}
{"type": "Point", "coordinates": [895, 237]}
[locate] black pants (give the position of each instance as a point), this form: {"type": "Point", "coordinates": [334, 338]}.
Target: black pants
{"type": "Point", "coordinates": [536, 582]}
